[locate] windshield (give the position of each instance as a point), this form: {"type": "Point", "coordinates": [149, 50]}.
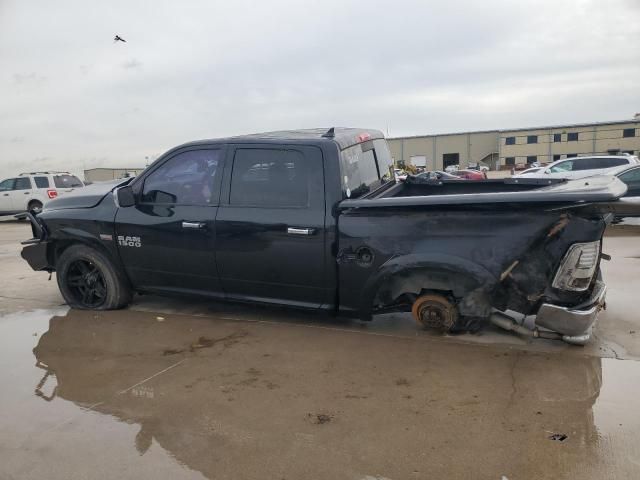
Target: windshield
{"type": "Point", "coordinates": [562, 167]}
{"type": "Point", "coordinates": [365, 167]}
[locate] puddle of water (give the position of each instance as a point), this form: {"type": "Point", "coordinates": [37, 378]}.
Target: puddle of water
{"type": "Point", "coordinates": [98, 392]}
{"type": "Point", "coordinates": [44, 434]}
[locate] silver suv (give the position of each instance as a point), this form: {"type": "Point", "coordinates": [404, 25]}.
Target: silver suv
{"type": "Point", "coordinates": [580, 167]}
{"type": "Point", "coordinates": [30, 191]}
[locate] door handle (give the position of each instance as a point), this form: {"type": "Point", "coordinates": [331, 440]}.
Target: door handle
{"type": "Point", "coordinates": [300, 231]}
{"type": "Point", "coordinates": [27, 193]}
{"type": "Point", "coordinates": [194, 225]}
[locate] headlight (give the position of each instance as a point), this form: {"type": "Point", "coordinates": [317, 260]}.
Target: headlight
{"type": "Point", "coordinates": [577, 267]}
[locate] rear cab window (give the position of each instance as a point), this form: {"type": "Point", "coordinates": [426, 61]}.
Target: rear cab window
{"type": "Point", "coordinates": [270, 178]}
{"type": "Point", "coordinates": [365, 167]}
{"type": "Point", "coordinates": [67, 181]}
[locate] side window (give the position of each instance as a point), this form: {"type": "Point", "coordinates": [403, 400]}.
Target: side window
{"type": "Point", "coordinates": [586, 164]}
{"type": "Point", "coordinates": [269, 178]}
{"type": "Point", "coordinates": [41, 182]}
{"type": "Point", "coordinates": [562, 167]}
{"type": "Point", "coordinates": [66, 181]}
{"type": "Point", "coordinates": [186, 179]}
{"type": "Point", "coordinates": [631, 176]}
{"type": "Point", "coordinates": [22, 183]}
{"type": "Point", "coordinates": [609, 162]}
{"type": "Point", "coordinates": [7, 184]}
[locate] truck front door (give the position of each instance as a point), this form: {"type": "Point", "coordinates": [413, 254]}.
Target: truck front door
{"type": "Point", "coordinates": [167, 239]}
{"type": "Point", "coordinates": [270, 228]}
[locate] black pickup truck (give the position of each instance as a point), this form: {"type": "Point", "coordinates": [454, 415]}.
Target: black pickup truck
{"type": "Point", "coordinates": [315, 219]}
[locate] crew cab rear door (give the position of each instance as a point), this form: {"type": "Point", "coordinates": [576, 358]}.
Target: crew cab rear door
{"type": "Point", "coordinates": [167, 239]}
{"type": "Point", "coordinates": [270, 230]}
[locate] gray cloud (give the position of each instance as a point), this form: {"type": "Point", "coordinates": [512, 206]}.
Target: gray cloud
{"type": "Point", "coordinates": [210, 69]}
{"type": "Point", "coordinates": [133, 63]}
{"type": "Point", "coordinates": [32, 78]}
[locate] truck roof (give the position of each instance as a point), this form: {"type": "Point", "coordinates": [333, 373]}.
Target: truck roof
{"type": "Point", "coordinates": [345, 137]}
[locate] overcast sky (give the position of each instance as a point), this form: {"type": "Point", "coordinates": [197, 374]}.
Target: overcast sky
{"type": "Point", "coordinates": [71, 98]}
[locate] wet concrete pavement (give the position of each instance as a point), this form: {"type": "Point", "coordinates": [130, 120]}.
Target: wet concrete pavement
{"type": "Point", "coordinates": [177, 388]}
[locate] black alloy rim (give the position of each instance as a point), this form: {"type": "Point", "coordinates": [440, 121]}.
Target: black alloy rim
{"type": "Point", "coordinates": [86, 283]}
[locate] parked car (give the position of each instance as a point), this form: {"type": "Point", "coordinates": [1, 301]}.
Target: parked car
{"type": "Point", "coordinates": [471, 174]}
{"type": "Point", "coordinates": [481, 166]}
{"type": "Point", "coordinates": [310, 219]}
{"type": "Point", "coordinates": [580, 167]}
{"type": "Point", "coordinates": [529, 171]}
{"type": "Point", "coordinates": [437, 175]}
{"type": "Point", "coordinates": [452, 168]}
{"type": "Point", "coordinates": [30, 191]}
{"type": "Point", "coordinates": [629, 175]}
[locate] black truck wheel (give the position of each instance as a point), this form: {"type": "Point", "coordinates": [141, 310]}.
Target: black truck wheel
{"type": "Point", "coordinates": [88, 280]}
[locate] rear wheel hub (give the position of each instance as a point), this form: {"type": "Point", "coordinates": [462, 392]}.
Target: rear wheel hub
{"type": "Point", "coordinates": [435, 312]}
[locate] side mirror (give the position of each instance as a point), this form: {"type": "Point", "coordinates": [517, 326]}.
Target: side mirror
{"type": "Point", "coordinates": [547, 171]}
{"type": "Point", "coordinates": [125, 197]}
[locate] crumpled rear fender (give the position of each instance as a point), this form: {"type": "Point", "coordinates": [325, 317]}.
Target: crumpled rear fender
{"type": "Point", "coordinates": [469, 282]}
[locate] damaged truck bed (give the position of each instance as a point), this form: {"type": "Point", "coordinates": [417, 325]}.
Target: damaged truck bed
{"type": "Point", "coordinates": [461, 254]}
{"type": "Point", "coordinates": [315, 219]}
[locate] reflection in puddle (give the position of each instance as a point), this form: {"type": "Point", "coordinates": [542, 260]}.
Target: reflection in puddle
{"type": "Point", "coordinates": [239, 404]}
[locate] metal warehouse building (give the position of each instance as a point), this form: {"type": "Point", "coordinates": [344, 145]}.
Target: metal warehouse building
{"type": "Point", "coordinates": [503, 149]}
{"type": "Point", "coordinates": [103, 174]}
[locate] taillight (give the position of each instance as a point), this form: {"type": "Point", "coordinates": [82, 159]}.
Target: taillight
{"type": "Point", "coordinates": [577, 267]}
{"type": "Point", "coordinates": [52, 193]}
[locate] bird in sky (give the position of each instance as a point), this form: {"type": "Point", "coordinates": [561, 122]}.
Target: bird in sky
{"type": "Point", "coordinates": [118, 38]}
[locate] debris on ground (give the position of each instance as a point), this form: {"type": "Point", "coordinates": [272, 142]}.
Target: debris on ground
{"type": "Point", "coordinates": [173, 351]}
{"type": "Point", "coordinates": [558, 437]}
{"type": "Point", "coordinates": [203, 342]}
{"type": "Point", "coordinates": [319, 418]}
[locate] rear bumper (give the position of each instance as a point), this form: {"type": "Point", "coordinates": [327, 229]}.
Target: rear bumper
{"type": "Point", "coordinates": [573, 321]}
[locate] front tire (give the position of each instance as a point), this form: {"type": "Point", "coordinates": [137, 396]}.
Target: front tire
{"type": "Point", "coordinates": [88, 280]}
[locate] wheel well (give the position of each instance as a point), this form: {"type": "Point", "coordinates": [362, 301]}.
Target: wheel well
{"type": "Point", "coordinates": [60, 246]}
{"type": "Point", "coordinates": [414, 283]}
{"type": "Point", "coordinates": [35, 200]}
{"type": "Point", "coordinates": [471, 295]}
